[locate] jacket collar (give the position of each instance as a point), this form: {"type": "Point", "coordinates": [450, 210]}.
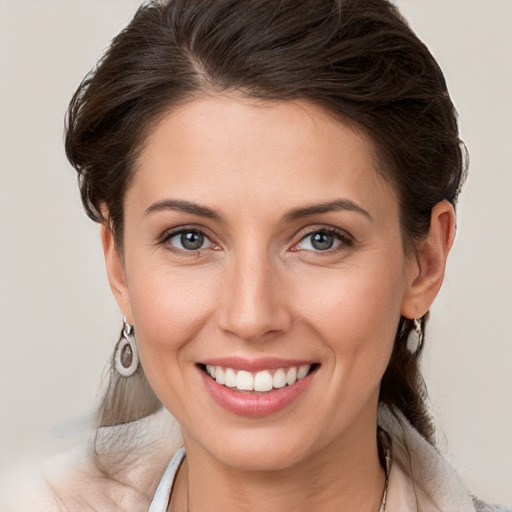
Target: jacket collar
{"type": "Point", "coordinates": [420, 478]}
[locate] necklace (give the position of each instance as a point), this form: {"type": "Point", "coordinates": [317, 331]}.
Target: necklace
{"type": "Point", "coordinates": [384, 449]}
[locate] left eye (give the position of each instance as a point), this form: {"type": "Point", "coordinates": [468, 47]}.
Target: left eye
{"type": "Point", "coordinates": [320, 241]}
{"type": "Point", "coordinates": [190, 240]}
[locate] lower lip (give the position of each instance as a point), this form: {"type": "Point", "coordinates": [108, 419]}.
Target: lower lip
{"type": "Point", "coordinates": [255, 404]}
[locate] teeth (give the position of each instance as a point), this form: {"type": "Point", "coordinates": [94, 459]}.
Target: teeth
{"type": "Point", "coordinates": [219, 375]}
{"type": "Point", "coordinates": [230, 378]}
{"type": "Point", "coordinates": [291, 376]}
{"type": "Point", "coordinates": [244, 381]}
{"type": "Point", "coordinates": [263, 381]}
{"type": "Point", "coordinates": [303, 371]}
{"type": "Point", "coordinates": [259, 381]}
{"type": "Point", "coordinates": [279, 379]}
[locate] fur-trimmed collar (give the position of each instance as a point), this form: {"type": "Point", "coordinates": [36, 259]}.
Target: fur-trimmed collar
{"type": "Point", "coordinates": [421, 480]}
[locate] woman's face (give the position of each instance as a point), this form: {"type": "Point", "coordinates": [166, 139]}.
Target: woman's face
{"type": "Point", "coordinates": [261, 241]}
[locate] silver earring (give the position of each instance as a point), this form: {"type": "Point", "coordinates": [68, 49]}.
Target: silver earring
{"type": "Point", "coordinates": [415, 338]}
{"type": "Point", "coordinates": [126, 356]}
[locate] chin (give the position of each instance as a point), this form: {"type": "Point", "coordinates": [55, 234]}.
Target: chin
{"type": "Point", "coordinates": [263, 449]}
{"type": "Point", "coordinates": [261, 456]}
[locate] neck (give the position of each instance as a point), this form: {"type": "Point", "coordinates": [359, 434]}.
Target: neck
{"type": "Point", "coordinates": [345, 475]}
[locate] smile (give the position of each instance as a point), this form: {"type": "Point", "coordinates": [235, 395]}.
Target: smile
{"type": "Point", "coordinates": [256, 388]}
{"type": "Point", "coordinates": [262, 381]}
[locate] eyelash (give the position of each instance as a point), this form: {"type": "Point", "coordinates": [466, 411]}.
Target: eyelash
{"type": "Point", "coordinates": [344, 239]}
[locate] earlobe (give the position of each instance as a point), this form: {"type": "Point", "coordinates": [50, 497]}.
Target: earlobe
{"type": "Point", "coordinates": [426, 272]}
{"type": "Point", "coordinates": [115, 271]}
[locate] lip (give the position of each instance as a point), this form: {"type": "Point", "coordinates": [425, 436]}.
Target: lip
{"type": "Point", "coordinates": [255, 365]}
{"type": "Point", "coordinates": [255, 404]}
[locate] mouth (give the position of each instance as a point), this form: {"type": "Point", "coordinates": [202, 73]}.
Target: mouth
{"type": "Point", "coordinates": [262, 381]}
{"type": "Point", "coordinates": [258, 388]}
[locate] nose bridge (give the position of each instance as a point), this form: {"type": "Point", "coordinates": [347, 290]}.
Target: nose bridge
{"type": "Point", "coordinates": [252, 304]}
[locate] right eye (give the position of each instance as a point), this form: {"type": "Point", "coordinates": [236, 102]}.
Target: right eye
{"type": "Point", "coordinates": [189, 240]}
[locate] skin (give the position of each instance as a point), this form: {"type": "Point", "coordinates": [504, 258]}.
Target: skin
{"type": "Point", "coordinates": [259, 288]}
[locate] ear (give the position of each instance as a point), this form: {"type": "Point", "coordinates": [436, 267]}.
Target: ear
{"type": "Point", "coordinates": [115, 271]}
{"type": "Point", "coordinates": [427, 264]}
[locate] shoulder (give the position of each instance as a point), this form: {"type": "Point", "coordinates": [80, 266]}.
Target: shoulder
{"type": "Point", "coordinates": [116, 469]}
{"type": "Point", "coordinates": [421, 475]}
{"type": "Point", "coordinates": [68, 481]}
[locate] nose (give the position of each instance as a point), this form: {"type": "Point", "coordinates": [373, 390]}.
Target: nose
{"type": "Point", "coordinates": [254, 306]}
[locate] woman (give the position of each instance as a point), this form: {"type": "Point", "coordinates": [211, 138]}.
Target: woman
{"type": "Point", "coordinates": [276, 185]}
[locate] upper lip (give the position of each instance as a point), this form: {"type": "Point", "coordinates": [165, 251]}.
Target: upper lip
{"type": "Point", "coordinates": [255, 365]}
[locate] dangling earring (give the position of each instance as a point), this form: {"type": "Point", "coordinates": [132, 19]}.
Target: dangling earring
{"type": "Point", "coordinates": [415, 338]}
{"type": "Point", "coordinates": [126, 356]}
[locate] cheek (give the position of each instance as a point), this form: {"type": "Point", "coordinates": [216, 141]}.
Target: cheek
{"type": "Point", "coordinates": [354, 311]}
{"type": "Point", "coordinates": [169, 309]}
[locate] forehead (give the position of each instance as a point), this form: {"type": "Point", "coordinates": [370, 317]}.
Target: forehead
{"type": "Point", "coordinates": [220, 149]}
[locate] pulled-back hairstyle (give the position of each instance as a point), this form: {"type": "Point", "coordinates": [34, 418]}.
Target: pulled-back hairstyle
{"type": "Point", "coordinates": [357, 59]}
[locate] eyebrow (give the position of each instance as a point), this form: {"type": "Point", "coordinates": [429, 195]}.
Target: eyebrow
{"type": "Point", "coordinates": [183, 206]}
{"type": "Point", "coordinates": [298, 213]}
{"type": "Point", "coordinates": [331, 206]}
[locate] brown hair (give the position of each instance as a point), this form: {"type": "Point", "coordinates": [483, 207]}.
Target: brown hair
{"type": "Point", "coordinates": [358, 59]}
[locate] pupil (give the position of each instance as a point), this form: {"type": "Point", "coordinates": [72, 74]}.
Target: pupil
{"type": "Point", "coordinates": [192, 240]}
{"type": "Point", "coordinates": [322, 241]}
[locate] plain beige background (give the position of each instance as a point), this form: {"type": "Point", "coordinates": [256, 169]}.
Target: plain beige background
{"type": "Point", "coordinates": [58, 322]}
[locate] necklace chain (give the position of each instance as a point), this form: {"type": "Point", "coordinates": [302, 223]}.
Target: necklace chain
{"type": "Point", "coordinates": [385, 444]}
